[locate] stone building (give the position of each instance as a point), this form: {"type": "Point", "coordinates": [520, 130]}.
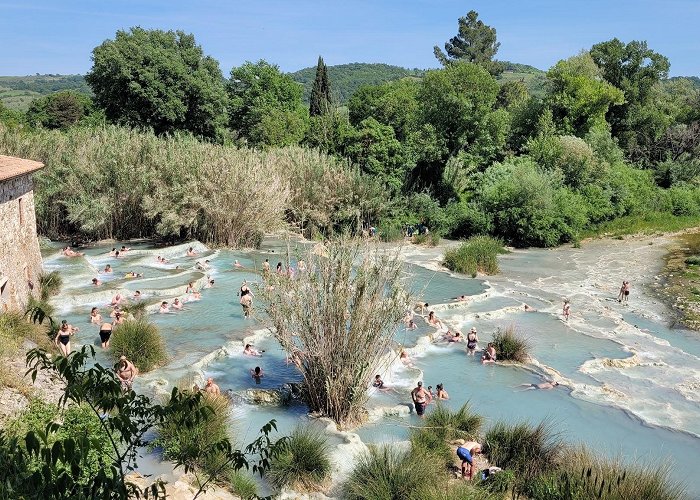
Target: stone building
{"type": "Point", "coordinates": [20, 258]}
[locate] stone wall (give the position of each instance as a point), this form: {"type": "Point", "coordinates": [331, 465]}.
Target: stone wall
{"type": "Point", "coordinates": [20, 258]}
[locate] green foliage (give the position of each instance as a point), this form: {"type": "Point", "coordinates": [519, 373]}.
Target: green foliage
{"type": "Point", "coordinates": [141, 342]}
{"type": "Point", "coordinates": [321, 99]}
{"type": "Point", "coordinates": [478, 254]}
{"type": "Point", "coordinates": [137, 310]}
{"type": "Point", "coordinates": [49, 284]}
{"type": "Point", "coordinates": [17, 92]}
{"type": "Point", "coordinates": [265, 105]}
{"type": "Point", "coordinates": [523, 448]}
{"type": "Point", "coordinates": [305, 463]}
{"type": "Point", "coordinates": [388, 473]}
{"type": "Point", "coordinates": [15, 328]}
{"type": "Point", "coordinates": [647, 223]}
{"type": "Point", "coordinates": [11, 118]}
{"type": "Point", "coordinates": [348, 78]}
{"type": "Point", "coordinates": [510, 345]}
{"type": "Point", "coordinates": [60, 110]}
{"type": "Point", "coordinates": [475, 43]}
{"type": "Point", "coordinates": [160, 80]}
{"type": "Point", "coordinates": [243, 485]}
{"type": "Point", "coordinates": [196, 446]}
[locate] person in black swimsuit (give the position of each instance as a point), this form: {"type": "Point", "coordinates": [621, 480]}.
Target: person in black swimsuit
{"type": "Point", "coordinates": [62, 340]}
{"type": "Point", "coordinates": [105, 334]}
{"type": "Point", "coordinates": [472, 341]}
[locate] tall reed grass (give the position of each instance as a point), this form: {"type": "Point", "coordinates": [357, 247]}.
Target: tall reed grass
{"type": "Point", "coordinates": [113, 182]}
{"type": "Point", "coordinates": [478, 254]}
{"type": "Point", "coordinates": [305, 463]}
{"type": "Point", "coordinates": [510, 345]}
{"type": "Point", "coordinates": [140, 341]}
{"type": "Point", "coordinates": [49, 284]}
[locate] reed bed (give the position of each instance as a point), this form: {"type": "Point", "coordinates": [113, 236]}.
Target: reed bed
{"type": "Point", "coordinates": [478, 254]}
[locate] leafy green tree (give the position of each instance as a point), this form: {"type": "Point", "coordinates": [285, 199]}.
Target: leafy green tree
{"type": "Point", "coordinates": [393, 104]}
{"type": "Point", "coordinates": [60, 110]}
{"type": "Point", "coordinates": [265, 105]}
{"type": "Point", "coordinates": [633, 68]}
{"type": "Point", "coordinates": [329, 132]}
{"type": "Point", "coordinates": [578, 98]}
{"type": "Point", "coordinates": [475, 42]}
{"type": "Point", "coordinates": [321, 91]}
{"type": "Point", "coordinates": [375, 149]}
{"type": "Point", "coordinates": [512, 94]}
{"type": "Point", "coordinates": [11, 118]}
{"type": "Point", "coordinates": [158, 79]}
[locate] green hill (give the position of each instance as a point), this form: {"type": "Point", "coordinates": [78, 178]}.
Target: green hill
{"type": "Point", "coordinates": [347, 78]}
{"type": "Point", "coordinates": [16, 92]}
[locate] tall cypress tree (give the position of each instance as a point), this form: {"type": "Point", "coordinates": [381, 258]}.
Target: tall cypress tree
{"type": "Point", "coordinates": [321, 91]}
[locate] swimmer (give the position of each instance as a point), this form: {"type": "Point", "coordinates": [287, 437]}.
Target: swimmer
{"type": "Point", "coordinates": [433, 320]}
{"type": "Point", "coordinates": [544, 385]}
{"type": "Point", "coordinates": [472, 342]}
{"type": "Point", "coordinates": [466, 453]}
{"type": "Point", "coordinates": [237, 264]}
{"type": "Point", "coordinates": [566, 310]}
{"type": "Point", "coordinates": [211, 388]}
{"type": "Point", "coordinates": [137, 294]}
{"type": "Point", "coordinates": [113, 252]}
{"type": "Point", "coordinates": [117, 299]}
{"type": "Point", "coordinates": [124, 249]}
{"type": "Point", "coordinates": [108, 269]}
{"type": "Point", "coordinates": [118, 318]}
{"type": "Point", "coordinates": [257, 374]}
{"type": "Point", "coordinates": [190, 288]}
{"type": "Point", "coordinates": [164, 307]}
{"type": "Point", "coordinates": [191, 252]}
{"type": "Point", "coordinates": [489, 354]}
{"type": "Point", "coordinates": [96, 282]}
{"type": "Point", "coordinates": [529, 309]}
{"type": "Point", "coordinates": [71, 253]}
{"type": "Point", "coordinates": [105, 334]}
{"type": "Point", "coordinates": [442, 393]}
{"type": "Point", "coordinates": [378, 382]}
{"type": "Point", "coordinates": [126, 371]}
{"type": "Point", "coordinates": [420, 398]}
{"type": "Point", "coordinates": [461, 298]}
{"type": "Point", "coordinates": [411, 325]}
{"type": "Point", "coordinates": [95, 316]}
{"type": "Point", "coordinates": [177, 304]}
{"type": "Point", "coordinates": [249, 350]}
{"type": "Point", "coordinates": [62, 339]}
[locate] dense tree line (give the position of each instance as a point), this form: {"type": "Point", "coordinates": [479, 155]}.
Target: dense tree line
{"type": "Point", "coordinates": [609, 135]}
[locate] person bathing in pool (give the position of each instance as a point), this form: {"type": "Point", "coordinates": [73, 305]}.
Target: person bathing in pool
{"type": "Point", "coordinates": [433, 320]}
{"type": "Point", "coordinates": [250, 350]}
{"type": "Point", "coordinates": [62, 339]}
{"type": "Point", "coordinates": [547, 385]}
{"type": "Point", "coordinates": [257, 374]}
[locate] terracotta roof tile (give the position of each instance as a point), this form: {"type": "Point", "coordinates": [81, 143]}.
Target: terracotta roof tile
{"type": "Point", "coordinates": [12, 167]}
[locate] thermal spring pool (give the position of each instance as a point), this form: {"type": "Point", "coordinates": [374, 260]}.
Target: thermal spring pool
{"type": "Point", "coordinates": [630, 384]}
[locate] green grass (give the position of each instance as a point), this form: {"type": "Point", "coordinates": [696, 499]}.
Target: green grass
{"type": "Point", "coordinates": [15, 328]}
{"type": "Point", "coordinates": [389, 473]}
{"type": "Point", "coordinates": [243, 485]}
{"type": "Point", "coordinates": [478, 254]}
{"type": "Point", "coordinates": [305, 463]}
{"type": "Point", "coordinates": [510, 345]}
{"type": "Point", "coordinates": [140, 341]}
{"type": "Point", "coordinates": [431, 240]}
{"type": "Point", "coordinates": [649, 223]}
{"type": "Point", "coordinates": [528, 450]}
{"type": "Point", "coordinates": [49, 284]}
{"type": "Point", "coordinates": [136, 309]}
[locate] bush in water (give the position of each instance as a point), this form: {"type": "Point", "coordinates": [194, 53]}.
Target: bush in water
{"type": "Point", "coordinates": [305, 463]}
{"type": "Point", "coordinates": [140, 341]}
{"type": "Point", "coordinates": [510, 345]}
{"type": "Point", "coordinates": [477, 254]}
{"type": "Point", "coordinates": [49, 284]}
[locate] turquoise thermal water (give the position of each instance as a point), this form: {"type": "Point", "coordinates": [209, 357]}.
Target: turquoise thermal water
{"type": "Point", "coordinates": [608, 399]}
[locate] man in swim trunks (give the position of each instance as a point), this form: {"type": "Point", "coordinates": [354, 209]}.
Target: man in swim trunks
{"type": "Point", "coordinates": [105, 334]}
{"type": "Point", "coordinates": [421, 399]}
{"type": "Point", "coordinates": [126, 371]}
{"type": "Point", "coordinates": [211, 388]}
{"type": "Point", "coordinates": [466, 454]}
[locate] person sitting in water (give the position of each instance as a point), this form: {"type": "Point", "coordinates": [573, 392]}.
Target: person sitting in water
{"type": "Point", "coordinates": [472, 342]}
{"type": "Point", "coordinates": [466, 453]}
{"type": "Point", "coordinates": [132, 274]}
{"type": "Point", "coordinates": [210, 284]}
{"type": "Point", "coordinates": [190, 288]}
{"type": "Point", "coordinates": [237, 264]}
{"type": "Point", "coordinates": [126, 371]}
{"type": "Point", "coordinates": [378, 382]}
{"type": "Point", "coordinates": [105, 334]}
{"type": "Point", "coordinates": [137, 294]}
{"type": "Point", "coordinates": [211, 388]}
{"type": "Point", "coordinates": [164, 307]}
{"type": "Point", "coordinates": [116, 254]}
{"type": "Point", "coordinates": [457, 337]}
{"type": "Point", "coordinates": [441, 392]}
{"type": "Point", "coordinates": [115, 310]}
{"type": "Point", "coordinates": [421, 398]}
{"type": "Point", "coordinates": [191, 252]}
{"type": "Point", "coordinates": [433, 320]}
{"type": "Point", "coordinates": [249, 350]}
{"type": "Point", "coordinates": [118, 318]}
{"type": "Point", "coordinates": [117, 299]}
{"type": "Point", "coordinates": [411, 325]}
{"type": "Point", "coordinates": [62, 339]}
{"type": "Point", "coordinates": [113, 252]}
{"type": "Point", "coordinates": [421, 307]}
{"type": "Point", "coordinates": [195, 296]}
{"type": "Point", "coordinates": [489, 354]}
{"type": "Point", "coordinates": [529, 309]}
{"type": "Point", "coordinates": [95, 316]}
{"type": "Point", "coordinates": [124, 249]}
{"type": "Point", "coordinates": [543, 385]}
{"type": "Point", "coordinates": [177, 304]}
{"type": "Point", "coordinates": [96, 282]}
{"type": "Point", "coordinates": [405, 358]}
{"type": "Point", "coordinates": [108, 269]}
{"type": "Point", "coordinates": [71, 253]}
{"type": "Point", "coordinates": [461, 298]}
{"type": "Point", "coordinates": [257, 374]}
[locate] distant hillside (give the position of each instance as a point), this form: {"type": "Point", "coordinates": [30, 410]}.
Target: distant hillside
{"type": "Point", "coordinates": [532, 77]}
{"type": "Point", "coordinates": [693, 79]}
{"type": "Point", "coordinates": [347, 78]}
{"type": "Point", "coordinates": [16, 92]}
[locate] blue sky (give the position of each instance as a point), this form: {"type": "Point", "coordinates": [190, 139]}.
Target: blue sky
{"type": "Point", "coordinates": [57, 36]}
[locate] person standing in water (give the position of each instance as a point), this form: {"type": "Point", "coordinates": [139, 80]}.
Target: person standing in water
{"type": "Point", "coordinates": [126, 371]}
{"type": "Point", "coordinates": [441, 392]}
{"type": "Point", "coordinates": [566, 310]}
{"type": "Point", "coordinates": [421, 398]}
{"type": "Point", "coordinates": [62, 339]}
{"type": "Point", "coordinates": [246, 299]}
{"type": "Point", "coordinates": [105, 334]}
{"type": "Point", "coordinates": [211, 388]}
{"type": "Point", "coordinates": [95, 316]}
{"type": "Point", "coordinates": [257, 374]}
{"type": "Point", "coordinates": [266, 266]}
{"type": "Point", "coordinates": [624, 294]}
{"type": "Point", "coordinates": [472, 342]}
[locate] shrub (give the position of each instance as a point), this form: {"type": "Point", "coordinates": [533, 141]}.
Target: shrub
{"type": "Point", "coordinates": [195, 446]}
{"type": "Point", "coordinates": [388, 473]}
{"type": "Point", "coordinates": [431, 240]}
{"type": "Point", "coordinates": [462, 490]}
{"type": "Point", "coordinates": [14, 328]}
{"type": "Point", "coordinates": [477, 254]}
{"type": "Point", "coordinates": [305, 463]}
{"type": "Point", "coordinates": [693, 261]}
{"type": "Point", "coordinates": [582, 475]}
{"type": "Point", "coordinates": [510, 345]}
{"type": "Point", "coordinates": [140, 341]}
{"type": "Point", "coordinates": [527, 450]}
{"type": "Point", "coordinates": [49, 284]}
{"type": "Point", "coordinates": [136, 309]}
{"type": "Point", "coordinates": [243, 485]}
